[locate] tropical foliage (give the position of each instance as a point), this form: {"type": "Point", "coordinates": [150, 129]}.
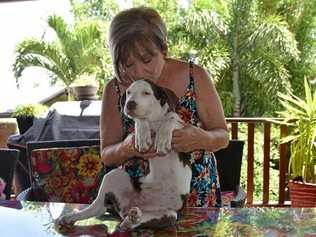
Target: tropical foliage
{"type": "Point", "coordinates": [300, 115]}
{"type": "Point", "coordinates": [76, 51]}
{"type": "Point", "coordinates": [251, 48]}
{"type": "Point", "coordinates": [301, 18]}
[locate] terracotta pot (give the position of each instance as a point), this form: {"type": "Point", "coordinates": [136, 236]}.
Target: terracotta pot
{"type": "Point", "coordinates": [302, 194]}
{"type": "Point", "coordinates": [85, 92]}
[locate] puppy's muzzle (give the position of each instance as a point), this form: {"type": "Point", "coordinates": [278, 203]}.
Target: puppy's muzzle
{"type": "Point", "coordinates": [130, 107]}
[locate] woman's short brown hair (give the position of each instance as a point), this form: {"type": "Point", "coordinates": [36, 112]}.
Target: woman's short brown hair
{"type": "Point", "coordinates": [132, 29]}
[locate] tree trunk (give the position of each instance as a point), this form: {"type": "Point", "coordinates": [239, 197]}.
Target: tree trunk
{"type": "Point", "coordinates": [68, 91]}
{"type": "Point", "coordinates": [235, 70]}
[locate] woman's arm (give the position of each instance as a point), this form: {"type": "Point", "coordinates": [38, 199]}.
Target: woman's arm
{"type": "Point", "coordinates": [115, 150]}
{"type": "Point", "coordinates": [213, 135]}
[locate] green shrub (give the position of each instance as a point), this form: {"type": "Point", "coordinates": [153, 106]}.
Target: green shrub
{"type": "Point", "coordinates": [30, 110]}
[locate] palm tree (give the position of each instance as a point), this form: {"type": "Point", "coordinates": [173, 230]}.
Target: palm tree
{"type": "Point", "coordinates": [251, 48]}
{"type": "Point", "coordinates": [76, 51]}
{"type": "Point", "coordinates": [244, 49]}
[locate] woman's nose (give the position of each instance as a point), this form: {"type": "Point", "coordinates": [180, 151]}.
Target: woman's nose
{"type": "Point", "coordinates": [139, 70]}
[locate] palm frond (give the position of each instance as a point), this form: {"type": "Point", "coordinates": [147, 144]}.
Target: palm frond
{"type": "Point", "coordinates": [273, 35]}
{"type": "Point", "coordinates": [269, 71]}
{"type": "Point", "coordinates": [48, 52]}
{"type": "Point", "coordinates": [26, 61]}
{"type": "Point", "coordinates": [60, 27]}
{"type": "Point", "coordinates": [199, 22]}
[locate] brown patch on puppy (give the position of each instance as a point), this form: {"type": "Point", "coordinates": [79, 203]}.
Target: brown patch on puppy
{"type": "Point", "coordinates": [185, 158]}
{"type": "Point", "coordinates": [136, 184]}
{"type": "Point", "coordinates": [164, 95]}
{"type": "Point", "coordinates": [112, 204]}
{"type": "Point", "coordinates": [184, 198]}
{"type": "Point", "coordinates": [164, 222]}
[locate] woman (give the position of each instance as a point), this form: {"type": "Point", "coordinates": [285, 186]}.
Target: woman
{"type": "Point", "coordinates": [138, 46]}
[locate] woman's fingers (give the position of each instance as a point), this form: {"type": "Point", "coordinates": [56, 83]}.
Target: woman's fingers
{"type": "Point", "coordinates": [183, 139]}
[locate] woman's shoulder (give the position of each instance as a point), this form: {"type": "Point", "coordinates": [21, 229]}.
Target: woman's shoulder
{"type": "Point", "coordinates": [111, 91]}
{"type": "Point", "coordinates": [177, 64]}
{"type": "Point", "coordinates": [177, 68]}
{"type": "Point", "coordinates": [112, 87]}
{"type": "Point", "coordinates": [111, 83]}
{"type": "Point", "coordinates": [182, 66]}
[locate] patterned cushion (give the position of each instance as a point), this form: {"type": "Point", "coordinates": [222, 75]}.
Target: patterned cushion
{"type": "Point", "coordinates": [68, 174]}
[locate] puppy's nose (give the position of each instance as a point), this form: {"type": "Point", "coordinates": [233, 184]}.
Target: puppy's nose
{"type": "Point", "coordinates": [131, 105]}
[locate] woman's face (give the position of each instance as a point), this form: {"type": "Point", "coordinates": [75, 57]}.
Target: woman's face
{"type": "Point", "coordinates": [144, 65]}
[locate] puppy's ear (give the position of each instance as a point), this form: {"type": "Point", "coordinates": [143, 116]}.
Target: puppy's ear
{"type": "Point", "coordinates": [164, 95]}
{"type": "Point", "coordinates": [122, 102]}
{"type": "Point", "coordinates": [168, 96]}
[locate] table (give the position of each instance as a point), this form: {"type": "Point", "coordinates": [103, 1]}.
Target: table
{"type": "Point", "coordinates": [36, 219]}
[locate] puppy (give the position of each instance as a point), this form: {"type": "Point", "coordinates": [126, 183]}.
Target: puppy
{"type": "Point", "coordinates": [163, 189]}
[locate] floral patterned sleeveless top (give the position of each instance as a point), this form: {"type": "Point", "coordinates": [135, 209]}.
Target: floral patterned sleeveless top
{"type": "Point", "coordinates": [205, 188]}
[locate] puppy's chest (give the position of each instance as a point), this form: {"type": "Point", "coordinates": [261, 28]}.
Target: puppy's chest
{"type": "Point", "coordinates": [165, 169]}
{"type": "Point", "coordinates": [156, 125]}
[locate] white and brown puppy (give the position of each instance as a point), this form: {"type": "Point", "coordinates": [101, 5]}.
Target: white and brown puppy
{"type": "Point", "coordinates": [162, 190]}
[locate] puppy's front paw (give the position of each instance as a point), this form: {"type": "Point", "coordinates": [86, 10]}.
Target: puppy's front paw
{"type": "Point", "coordinates": [143, 139]}
{"type": "Point", "coordinates": [163, 141]}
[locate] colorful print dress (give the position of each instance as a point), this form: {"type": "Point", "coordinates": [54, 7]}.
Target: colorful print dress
{"type": "Point", "coordinates": [205, 189]}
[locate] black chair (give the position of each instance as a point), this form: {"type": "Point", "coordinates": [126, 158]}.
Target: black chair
{"type": "Point", "coordinates": [229, 162]}
{"type": "Point", "coordinates": [8, 160]}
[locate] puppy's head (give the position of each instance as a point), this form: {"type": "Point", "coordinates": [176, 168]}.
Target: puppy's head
{"type": "Point", "coordinates": [145, 100]}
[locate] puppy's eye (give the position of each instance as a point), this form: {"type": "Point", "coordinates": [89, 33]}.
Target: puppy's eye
{"type": "Point", "coordinates": [146, 93]}
{"type": "Point", "coordinates": [128, 92]}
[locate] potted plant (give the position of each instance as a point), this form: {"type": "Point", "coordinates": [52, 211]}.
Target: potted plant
{"type": "Point", "coordinates": [25, 114]}
{"type": "Point", "coordinates": [78, 49]}
{"type": "Point", "coordinates": [85, 87]}
{"type": "Point", "coordinates": [300, 116]}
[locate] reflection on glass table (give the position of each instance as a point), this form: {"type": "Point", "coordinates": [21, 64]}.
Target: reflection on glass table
{"type": "Point", "coordinates": [37, 219]}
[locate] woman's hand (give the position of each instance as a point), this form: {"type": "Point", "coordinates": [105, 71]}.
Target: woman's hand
{"type": "Point", "coordinates": [187, 139]}
{"type": "Point", "coordinates": [130, 150]}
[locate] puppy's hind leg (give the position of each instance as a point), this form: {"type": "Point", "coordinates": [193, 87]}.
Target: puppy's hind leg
{"type": "Point", "coordinates": [112, 188]}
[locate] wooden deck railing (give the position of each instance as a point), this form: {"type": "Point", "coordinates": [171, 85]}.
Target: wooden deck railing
{"type": "Point", "coordinates": [251, 124]}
